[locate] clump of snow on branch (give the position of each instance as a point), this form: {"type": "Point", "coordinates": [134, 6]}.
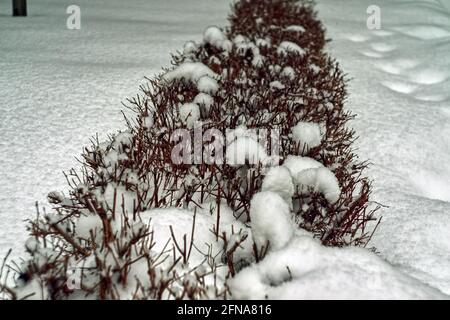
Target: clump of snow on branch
{"type": "Point", "coordinates": [205, 101]}
{"type": "Point", "coordinates": [320, 180]}
{"type": "Point", "coordinates": [277, 85]}
{"type": "Point", "coordinates": [207, 85]}
{"type": "Point", "coordinates": [296, 164]}
{"type": "Point", "coordinates": [279, 180]}
{"type": "Point", "coordinates": [189, 114]}
{"type": "Point", "coordinates": [288, 72]}
{"type": "Point", "coordinates": [271, 220]}
{"type": "Point", "coordinates": [290, 47]}
{"type": "Point", "coordinates": [189, 48]}
{"type": "Point", "coordinates": [295, 28]}
{"type": "Point", "coordinates": [309, 174]}
{"type": "Point", "coordinates": [307, 135]}
{"type": "Point", "coordinates": [215, 37]}
{"type": "Point", "coordinates": [189, 71]}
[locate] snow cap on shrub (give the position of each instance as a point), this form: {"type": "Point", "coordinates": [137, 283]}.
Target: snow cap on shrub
{"type": "Point", "coordinates": [320, 180]}
{"type": "Point", "coordinates": [307, 135]}
{"type": "Point", "coordinates": [295, 28]}
{"type": "Point", "coordinates": [295, 164]}
{"type": "Point", "coordinates": [288, 72]}
{"type": "Point", "coordinates": [271, 220]}
{"type": "Point", "coordinates": [207, 84]}
{"type": "Point", "coordinates": [278, 179]}
{"type": "Point", "coordinates": [189, 114]}
{"type": "Point", "coordinates": [277, 85]}
{"type": "Point", "coordinates": [215, 37]}
{"type": "Point", "coordinates": [189, 48]}
{"type": "Point", "coordinates": [290, 47]}
{"type": "Point", "coordinates": [205, 101]}
{"type": "Point", "coordinates": [189, 71]}
{"type": "Point", "coordinates": [148, 121]}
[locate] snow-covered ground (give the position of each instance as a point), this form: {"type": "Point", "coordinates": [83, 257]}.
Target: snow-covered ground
{"type": "Point", "coordinates": [59, 87]}
{"type": "Point", "coordinates": [400, 90]}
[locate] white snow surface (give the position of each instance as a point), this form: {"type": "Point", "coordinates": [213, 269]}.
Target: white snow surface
{"type": "Point", "coordinates": [59, 87]}
{"type": "Point", "coordinates": [307, 270]}
{"type": "Point", "coordinates": [182, 221]}
{"type": "Point", "coordinates": [399, 88]}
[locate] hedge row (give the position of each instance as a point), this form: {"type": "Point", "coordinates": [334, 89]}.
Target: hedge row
{"type": "Point", "coordinates": [268, 70]}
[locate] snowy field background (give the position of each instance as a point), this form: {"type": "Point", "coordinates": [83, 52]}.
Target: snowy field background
{"type": "Point", "coordinates": [59, 87]}
{"type": "Point", "coordinates": [400, 91]}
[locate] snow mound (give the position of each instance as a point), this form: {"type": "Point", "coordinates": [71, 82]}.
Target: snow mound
{"type": "Point", "coordinates": [205, 243]}
{"type": "Point", "coordinates": [304, 269]}
{"type": "Point", "coordinates": [271, 222]}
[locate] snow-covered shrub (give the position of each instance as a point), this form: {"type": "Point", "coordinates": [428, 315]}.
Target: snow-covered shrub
{"type": "Point", "coordinates": [138, 225]}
